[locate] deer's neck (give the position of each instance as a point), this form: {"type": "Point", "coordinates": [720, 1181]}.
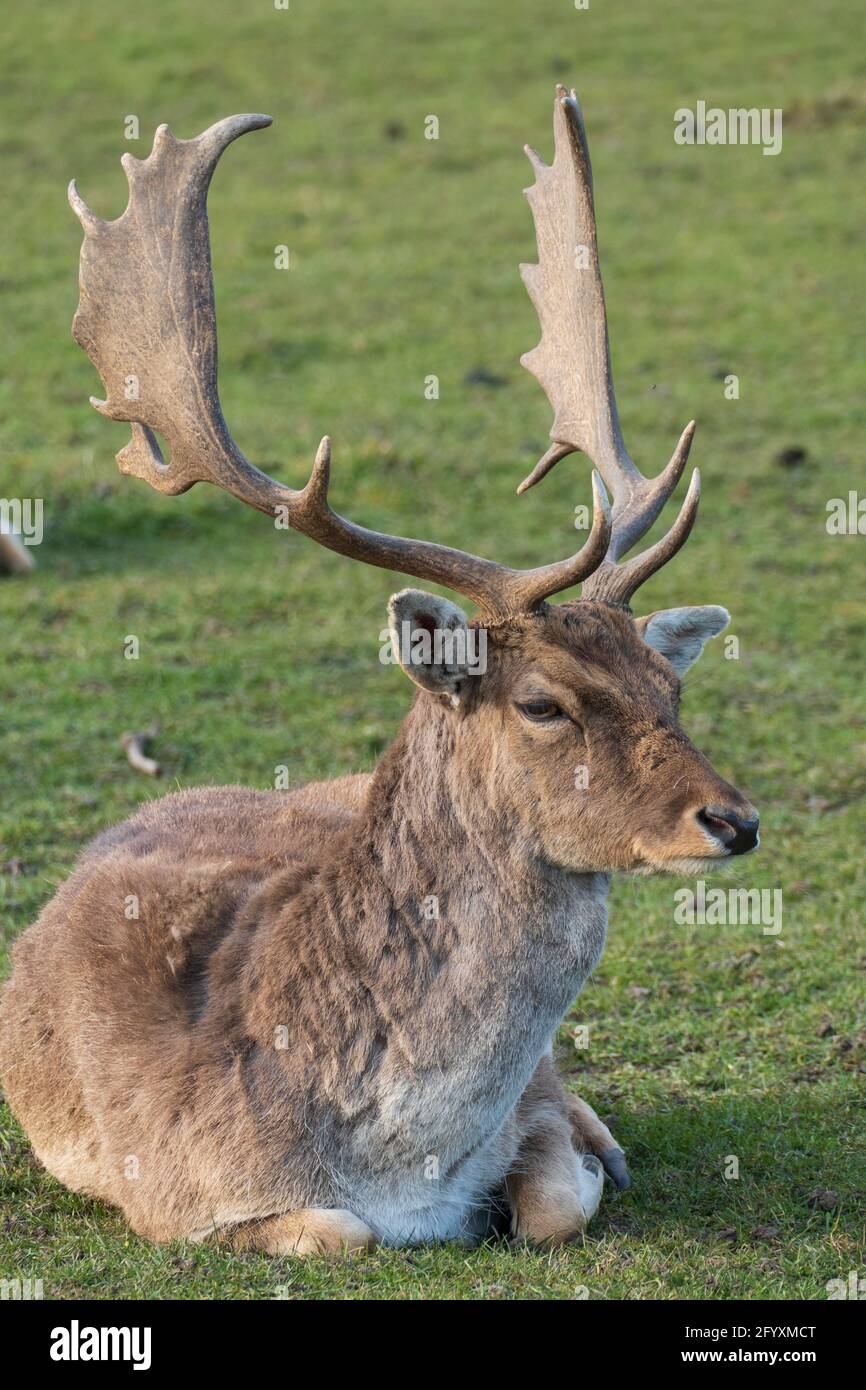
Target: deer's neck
{"type": "Point", "coordinates": [480, 924]}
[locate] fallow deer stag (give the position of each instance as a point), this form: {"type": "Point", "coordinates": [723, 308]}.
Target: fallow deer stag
{"type": "Point", "coordinates": [331, 1023]}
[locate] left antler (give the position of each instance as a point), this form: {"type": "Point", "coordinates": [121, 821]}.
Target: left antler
{"type": "Point", "coordinates": [572, 362]}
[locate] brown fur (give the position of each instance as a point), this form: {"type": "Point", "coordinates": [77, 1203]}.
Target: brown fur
{"type": "Point", "coordinates": [144, 1056]}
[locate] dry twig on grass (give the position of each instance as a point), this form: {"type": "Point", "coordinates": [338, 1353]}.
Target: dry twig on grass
{"type": "Point", "coordinates": [136, 745]}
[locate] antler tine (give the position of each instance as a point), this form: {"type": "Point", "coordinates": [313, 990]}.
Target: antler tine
{"type": "Point", "coordinates": [640, 502]}
{"type": "Point", "coordinates": [146, 319]}
{"type": "Point", "coordinates": [618, 583]}
{"type": "Point", "coordinates": [572, 360]}
{"type": "Point", "coordinates": [537, 585]}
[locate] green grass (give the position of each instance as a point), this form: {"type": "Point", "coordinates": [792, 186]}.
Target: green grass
{"type": "Point", "coordinates": [258, 649]}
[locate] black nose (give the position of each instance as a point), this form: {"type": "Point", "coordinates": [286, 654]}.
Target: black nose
{"type": "Point", "coordinates": [736, 833]}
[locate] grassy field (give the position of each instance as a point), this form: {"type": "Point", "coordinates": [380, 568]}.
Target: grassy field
{"type": "Point", "coordinates": [258, 649]}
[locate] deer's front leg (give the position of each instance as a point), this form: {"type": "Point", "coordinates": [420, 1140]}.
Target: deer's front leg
{"type": "Point", "coordinates": [552, 1190]}
{"type": "Point", "coordinates": [591, 1135]}
{"type": "Point", "coordinates": [555, 1183]}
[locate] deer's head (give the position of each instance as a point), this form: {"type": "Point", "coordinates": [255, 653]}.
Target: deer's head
{"type": "Point", "coordinates": [572, 730]}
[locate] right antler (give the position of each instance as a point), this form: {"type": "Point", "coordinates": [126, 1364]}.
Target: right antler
{"type": "Point", "coordinates": [572, 363]}
{"type": "Point", "coordinates": [146, 319]}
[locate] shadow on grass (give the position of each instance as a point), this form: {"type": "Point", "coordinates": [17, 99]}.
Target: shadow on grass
{"type": "Point", "coordinates": [733, 1169]}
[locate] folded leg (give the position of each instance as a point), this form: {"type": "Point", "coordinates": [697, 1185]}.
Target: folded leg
{"type": "Point", "coordinates": [555, 1183]}
{"type": "Point", "coordinates": [315, 1231]}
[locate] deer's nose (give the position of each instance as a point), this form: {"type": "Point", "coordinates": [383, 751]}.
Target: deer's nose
{"type": "Point", "coordinates": [737, 833]}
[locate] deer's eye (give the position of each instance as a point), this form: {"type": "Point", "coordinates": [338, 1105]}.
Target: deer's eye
{"type": "Point", "coordinates": [540, 711]}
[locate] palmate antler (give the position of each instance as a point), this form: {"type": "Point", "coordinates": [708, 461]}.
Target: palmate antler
{"type": "Point", "coordinates": [572, 363]}
{"type": "Point", "coordinates": [146, 319]}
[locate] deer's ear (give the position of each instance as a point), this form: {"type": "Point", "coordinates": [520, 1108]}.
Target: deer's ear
{"type": "Point", "coordinates": [680, 634]}
{"type": "Point", "coordinates": [429, 640]}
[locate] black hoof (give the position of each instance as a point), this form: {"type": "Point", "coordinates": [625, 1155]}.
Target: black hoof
{"type": "Point", "coordinates": [616, 1168]}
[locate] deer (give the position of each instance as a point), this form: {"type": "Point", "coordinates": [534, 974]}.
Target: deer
{"type": "Point", "coordinates": [329, 1024]}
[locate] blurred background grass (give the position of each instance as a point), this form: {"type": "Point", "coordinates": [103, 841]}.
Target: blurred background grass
{"type": "Point", "coordinates": [258, 649]}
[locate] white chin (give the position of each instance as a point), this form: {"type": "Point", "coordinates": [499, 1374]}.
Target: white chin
{"type": "Point", "coordinates": [688, 866]}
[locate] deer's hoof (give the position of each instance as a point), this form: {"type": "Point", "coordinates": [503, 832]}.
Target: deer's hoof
{"type": "Point", "coordinates": [616, 1167]}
